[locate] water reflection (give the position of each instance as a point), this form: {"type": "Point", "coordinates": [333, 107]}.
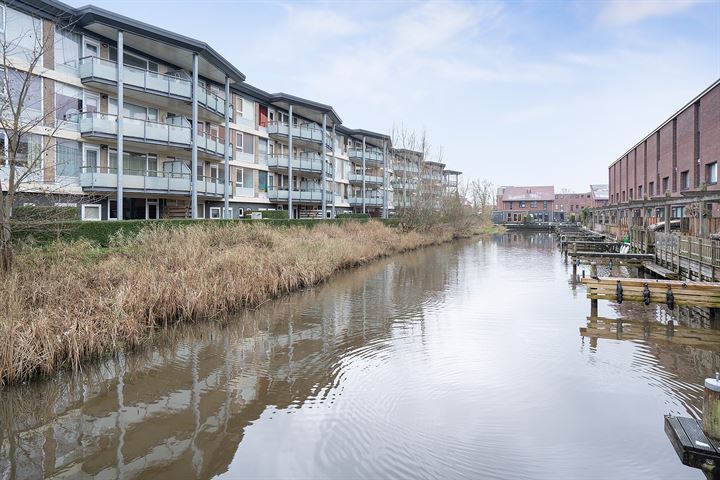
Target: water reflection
{"type": "Point", "coordinates": [456, 361]}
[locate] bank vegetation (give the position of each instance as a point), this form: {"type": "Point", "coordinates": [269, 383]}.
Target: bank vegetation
{"type": "Point", "coordinates": [68, 302]}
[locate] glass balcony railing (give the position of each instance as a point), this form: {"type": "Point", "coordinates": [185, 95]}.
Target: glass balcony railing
{"type": "Point", "coordinates": [369, 179]}
{"type": "Point", "coordinates": [94, 69]}
{"type": "Point", "coordinates": [307, 133]}
{"type": "Point", "coordinates": [370, 201]}
{"type": "Point", "coordinates": [280, 195]}
{"type": "Point", "coordinates": [303, 163]}
{"type": "Point", "coordinates": [148, 181]}
{"type": "Point", "coordinates": [372, 156]}
{"type": "Point", "coordinates": [104, 125]}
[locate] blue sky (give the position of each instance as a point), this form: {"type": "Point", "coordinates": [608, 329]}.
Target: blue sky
{"type": "Point", "coordinates": [523, 92]}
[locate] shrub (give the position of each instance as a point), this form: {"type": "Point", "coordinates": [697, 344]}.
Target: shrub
{"type": "Point", "coordinates": [33, 213]}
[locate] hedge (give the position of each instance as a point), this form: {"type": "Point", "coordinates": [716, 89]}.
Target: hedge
{"type": "Point", "coordinates": [26, 213]}
{"type": "Point", "coordinates": [103, 232]}
{"type": "Point", "coordinates": [353, 215]}
{"type": "Point", "coordinates": [271, 214]}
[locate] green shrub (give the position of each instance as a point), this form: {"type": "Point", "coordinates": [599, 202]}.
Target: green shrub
{"type": "Point", "coordinates": [353, 215]}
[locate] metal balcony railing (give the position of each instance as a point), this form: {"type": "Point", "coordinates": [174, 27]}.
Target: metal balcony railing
{"type": "Point", "coordinates": [149, 181]}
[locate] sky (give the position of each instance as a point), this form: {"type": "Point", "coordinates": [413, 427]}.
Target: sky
{"type": "Point", "coordinates": [525, 92]}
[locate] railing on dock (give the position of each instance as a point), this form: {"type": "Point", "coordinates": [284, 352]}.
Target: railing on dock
{"type": "Point", "coordinates": [642, 240]}
{"type": "Point", "coordinates": [692, 257]}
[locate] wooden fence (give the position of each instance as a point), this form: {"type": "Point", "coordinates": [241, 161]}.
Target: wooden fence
{"type": "Point", "coordinates": [642, 240]}
{"type": "Point", "coordinates": [692, 257]}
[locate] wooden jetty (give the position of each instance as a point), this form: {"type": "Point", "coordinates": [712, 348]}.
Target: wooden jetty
{"type": "Point", "coordinates": [652, 331]}
{"type": "Point", "coordinates": [637, 257]}
{"type": "Point", "coordinates": [699, 294]}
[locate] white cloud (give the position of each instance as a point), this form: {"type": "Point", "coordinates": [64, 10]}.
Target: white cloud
{"type": "Point", "coordinates": [625, 12]}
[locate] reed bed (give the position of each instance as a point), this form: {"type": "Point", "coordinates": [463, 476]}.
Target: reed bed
{"type": "Point", "coordinates": [70, 302]}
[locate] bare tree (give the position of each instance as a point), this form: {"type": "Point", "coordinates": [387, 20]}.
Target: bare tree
{"type": "Point", "coordinates": [28, 129]}
{"type": "Point", "coordinates": [482, 194]}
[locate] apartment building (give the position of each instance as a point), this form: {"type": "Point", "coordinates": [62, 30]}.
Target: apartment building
{"type": "Point", "coordinates": [568, 206]}
{"type": "Point", "coordinates": [599, 195]}
{"type": "Point", "coordinates": [451, 181]}
{"type": "Point", "coordinates": [136, 122]}
{"type": "Point", "coordinates": [519, 204]}
{"type": "Point", "coordinates": [407, 166]}
{"type": "Point", "coordinates": [674, 166]}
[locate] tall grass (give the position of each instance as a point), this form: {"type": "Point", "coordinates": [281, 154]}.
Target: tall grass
{"type": "Point", "coordinates": [70, 302]}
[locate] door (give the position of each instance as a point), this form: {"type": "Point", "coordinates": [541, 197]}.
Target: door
{"type": "Point", "coordinates": [152, 210]}
{"type": "Point", "coordinates": [91, 48]}
{"type": "Point", "coordinates": [91, 159]}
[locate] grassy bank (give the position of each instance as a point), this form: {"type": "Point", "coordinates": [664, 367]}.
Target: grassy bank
{"type": "Point", "coordinates": [72, 301]}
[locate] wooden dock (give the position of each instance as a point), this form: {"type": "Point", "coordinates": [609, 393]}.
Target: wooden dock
{"type": "Point", "coordinates": [699, 294]}
{"type": "Point", "coordinates": [660, 271]}
{"type": "Point", "coordinates": [693, 447]}
{"type": "Point", "coordinates": [651, 331]}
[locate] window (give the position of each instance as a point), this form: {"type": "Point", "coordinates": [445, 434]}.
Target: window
{"type": "Point", "coordinates": [135, 163]}
{"type": "Point", "coordinates": [91, 162]}
{"type": "Point", "coordinates": [239, 178]}
{"type": "Point", "coordinates": [545, 204]}
{"type": "Point", "coordinates": [522, 204]}
{"type": "Point", "coordinates": [263, 181]}
{"type": "Point", "coordinates": [23, 35]}
{"type": "Point", "coordinates": [247, 178]}
{"type": "Point", "coordinates": [665, 184]}
{"type": "Point", "coordinates": [239, 142]}
{"type": "Point", "coordinates": [29, 152]}
{"type": "Point", "coordinates": [711, 173]}
{"type": "Point", "coordinates": [262, 149]}
{"type": "Point", "coordinates": [685, 180]}
{"type": "Point", "coordinates": [631, 194]}
{"type": "Point", "coordinates": [68, 158]}
{"type": "Point", "coordinates": [248, 143]}
{"type": "Point", "coordinates": [510, 205]}
{"type": "Point", "coordinates": [68, 103]}
{"type": "Point", "coordinates": [91, 212]}
{"type": "Point", "coordinates": [533, 204]}
{"type": "Point", "coordinates": [651, 188]}
{"type": "Point", "coordinates": [215, 212]}
{"type": "Point", "coordinates": [32, 101]}
{"type": "Point", "coordinates": [67, 50]}
{"type": "Point", "coordinates": [639, 190]}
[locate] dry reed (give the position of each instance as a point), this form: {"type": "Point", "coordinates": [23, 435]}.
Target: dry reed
{"type": "Point", "coordinates": [71, 302]}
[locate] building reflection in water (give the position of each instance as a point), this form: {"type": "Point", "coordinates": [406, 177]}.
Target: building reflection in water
{"type": "Point", "coordinates": [183, 406]}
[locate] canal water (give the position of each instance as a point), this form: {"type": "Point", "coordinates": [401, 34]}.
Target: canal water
{"type": "Point", "coordinates": [475, 359]}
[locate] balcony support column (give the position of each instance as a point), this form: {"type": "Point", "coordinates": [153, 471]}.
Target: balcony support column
{"type": "Point", "coordinates": [323, 182]}
{"type": "Point", "coordinates": [290, 162]}
{"type": "Point", "coordinates": [193, 142]}
{"type": "Point", "coordinates": [226, 195]}
{"type": "Point", "coordinates": [363, 176]}
{"type": "Point", "coordinates": [385, 181]}
{"type": "Point", "coordinates": [334, 161]}
{"type": "Point", "coordinates": [120, 138]}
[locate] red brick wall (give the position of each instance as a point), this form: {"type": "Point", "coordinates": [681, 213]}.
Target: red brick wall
{"type": "Point", "coordinates": [652, 171]}
{"type": "Point", "coordinates": [666, 151]}
{"type": "Point", "coordinates": [710, 131]}
{"type": "Point", "coordinates": [686, 145]}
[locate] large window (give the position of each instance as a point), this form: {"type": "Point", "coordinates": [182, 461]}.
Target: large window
{"type": "Point", "coordinates": [67, 50]}
{"type": "Point", "coordinates": [665, 184]}
{"type": "Point", "coordinates": [130, 110]}
{"type": "Point", "coordinates": [68, 158]}
{"type": "Point", "coordinates": [135, 163]}
{"type": "Point", "coordinates": [263, 181]}
{"type": "Point", "coordinates": [21, 83]}
{"type": "Point", "coordinates": [711, 173]}
{"type": "Point", "coordinates": [68, 104]}
{"type": "Point", "coordinates": [22, 35]}
{"type": "Point", "coordinates": [29, 152]}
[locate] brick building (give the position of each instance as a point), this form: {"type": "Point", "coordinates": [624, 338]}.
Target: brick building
{"type": "Point", "coordinates": [675, 165]}
{"type": "Point", "coordinates": [517, 204]}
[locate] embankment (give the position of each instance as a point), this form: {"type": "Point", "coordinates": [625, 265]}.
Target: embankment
{"type": "Point", "coordinates": [69, 302]}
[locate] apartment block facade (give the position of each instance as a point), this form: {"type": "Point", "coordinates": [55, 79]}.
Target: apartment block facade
{"type": "Point", "coordinates": [135, 122]}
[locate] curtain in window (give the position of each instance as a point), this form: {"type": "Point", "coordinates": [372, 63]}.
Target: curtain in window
{"type": "Point", "coordinates": [68, 158]}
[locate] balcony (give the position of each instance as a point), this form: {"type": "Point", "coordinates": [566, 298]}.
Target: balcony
{"type": "Point", "coordinates": [372, 201]}
{"type": "Point", "coordinates": [100, 179]}
{"type": "Point", "coordinates": [308, 164]}
{"type": "Point", "coordinates": [104, 126]}
{"type": "Point", "coordinates": [369, 179]}
{"type": "Point", "coordinates": [408, 168]}
{"type": "Point", "coordinates": [372, 156]}
{"type": "Point", "coordinates": [305, 135]}
{"type": "Point", "coordinates": [301, 196]}
{"type": "Point", "coordinates": [103, 73]}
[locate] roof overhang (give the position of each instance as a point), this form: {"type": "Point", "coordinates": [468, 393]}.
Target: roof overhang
{"type": "Point", "coordinates": [305, 108]}
{"type": "Point", "coordinates": [452, 172]}
{"type": "Point", "coordinates": [375, 139]}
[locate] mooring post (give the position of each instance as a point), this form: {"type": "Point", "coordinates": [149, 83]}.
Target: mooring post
{"type": "Point", "coordinates": [574, 259]}
{"type": "Point", "coordinates": [711, 407]}
{"type": "Point", "coordinates": [593, 307]}
{"type": "Point", "coordinates": [593, 270]}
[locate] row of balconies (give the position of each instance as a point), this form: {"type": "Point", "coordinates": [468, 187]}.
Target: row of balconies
{"type": "Point", "coordinates": [306, 135]}
{"type": "Point", "coordinates": [357, 179]}
{"type": "Point", "coordinates": [101, 72]}
{"type": "Point", "coordinates": [307, 162]}
{"type": "Point", "coordinates": [373, 157]}
{"type": "Point", "coordinates": [105, 126]}
{"type": "Point", "coordinates": [149, 182]}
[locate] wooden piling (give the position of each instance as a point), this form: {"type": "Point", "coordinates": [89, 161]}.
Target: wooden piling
{"type": "Point", "coordinates": [593, 270]}
{"type": "Point", "coordinates": [574, 259]}
{"type": "Point", "coordinates": [711, 407]}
